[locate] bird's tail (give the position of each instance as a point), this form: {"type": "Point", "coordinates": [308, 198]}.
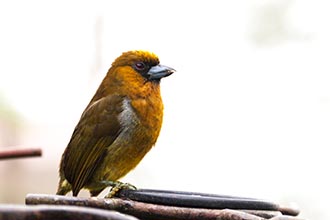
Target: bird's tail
{"type": "Point", "coordinates": [63, 187]}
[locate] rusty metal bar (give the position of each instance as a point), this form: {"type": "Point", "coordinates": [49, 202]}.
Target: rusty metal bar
{"type": "Point", "coordinates": [20, 153]}
{"type": "Point", "coordinates": [149, 211]}
{"type": "Point", "coordinates": [43, 212]}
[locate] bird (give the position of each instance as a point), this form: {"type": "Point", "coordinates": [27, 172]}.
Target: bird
{"type": "Point", "coordinates": [118, 127]}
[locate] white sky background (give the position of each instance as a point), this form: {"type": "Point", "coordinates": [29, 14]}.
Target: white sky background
{"type": "Point", "coordinates": [247, 113]}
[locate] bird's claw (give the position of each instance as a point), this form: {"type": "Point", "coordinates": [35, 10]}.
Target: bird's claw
{"type": "Point", "coordinates": [117, 186]}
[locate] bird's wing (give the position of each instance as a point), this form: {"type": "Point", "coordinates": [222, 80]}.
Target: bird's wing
{"type": "Point", "coordinates": [96, 131]}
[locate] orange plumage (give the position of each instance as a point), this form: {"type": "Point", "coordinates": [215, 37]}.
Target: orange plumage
{"type": "Point", "coordinates": [118, 127]}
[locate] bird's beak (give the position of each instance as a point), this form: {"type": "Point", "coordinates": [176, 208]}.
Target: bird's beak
{"type": "Point", "coordinates": [159, 71]}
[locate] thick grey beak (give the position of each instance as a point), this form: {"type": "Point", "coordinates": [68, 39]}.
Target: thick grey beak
{"type": "Point", "coordinates": [159, 71]}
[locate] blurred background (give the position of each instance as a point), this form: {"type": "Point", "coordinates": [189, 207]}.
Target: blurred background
{"type": "Point", "coordinates": [247, 113]}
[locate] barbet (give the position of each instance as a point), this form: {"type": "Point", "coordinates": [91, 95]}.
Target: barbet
{"type": "Point", "coordinates": [118, 127]}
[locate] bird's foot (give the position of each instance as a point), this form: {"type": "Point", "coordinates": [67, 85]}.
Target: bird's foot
{"type": "Point", "coordinates": [117, 186]}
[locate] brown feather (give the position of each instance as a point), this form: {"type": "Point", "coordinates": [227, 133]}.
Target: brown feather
{"type": "Point", "coordinates": [95, 132]}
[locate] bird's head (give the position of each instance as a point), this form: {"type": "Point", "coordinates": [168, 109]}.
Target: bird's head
{"type": "Point", "coordinates": [143, 63]}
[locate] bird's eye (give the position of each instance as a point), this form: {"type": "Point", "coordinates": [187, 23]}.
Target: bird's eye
{"type": "Point", "coordinates": [140, 66]}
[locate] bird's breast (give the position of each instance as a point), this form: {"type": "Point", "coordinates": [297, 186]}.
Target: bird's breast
{"type": "Point", "coordinates": [141, 119]}
{"type": "Point", "coordinates": [137, 136]}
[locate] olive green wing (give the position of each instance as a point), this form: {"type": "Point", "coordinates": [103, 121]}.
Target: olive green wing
{"type": "Point", "coordinates": [95, 132]}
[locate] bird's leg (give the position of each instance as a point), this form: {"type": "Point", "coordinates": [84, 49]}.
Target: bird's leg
{"type": "Point", "coordinates": [116, 186]}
